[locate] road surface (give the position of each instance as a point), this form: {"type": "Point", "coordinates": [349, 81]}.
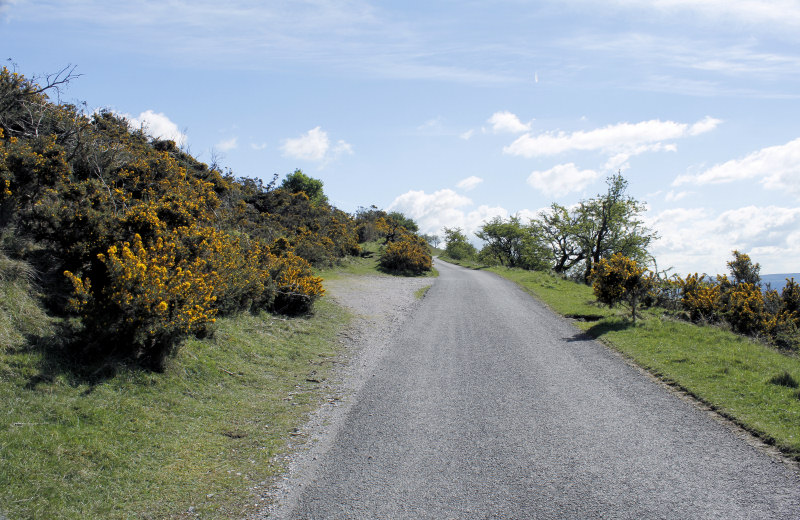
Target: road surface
{"type": "Point", "coordinates": [484, 404]}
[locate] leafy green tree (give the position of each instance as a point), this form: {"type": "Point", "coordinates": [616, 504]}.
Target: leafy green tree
{"type": "Point", "coordinates": [556, 231]}
{"type": "Point", "coordinates": [298, 181]}
{"type": "Point", "coordinates": [369, 222]}
{"type": "Point", "coordinates": [400, 220]}
{"type": "Point", "coordinates": [611, 224]}
{"type": "Point", "coordinates": [504, 239]}
{"type": "Point", "coordinates": [457, 246]}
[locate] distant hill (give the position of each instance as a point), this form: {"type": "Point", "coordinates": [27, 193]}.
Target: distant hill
{"type": "Point", "coordinates": [777, 281]}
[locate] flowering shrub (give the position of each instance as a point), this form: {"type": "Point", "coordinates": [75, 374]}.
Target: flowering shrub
{"type": "Point", "coordinates": [296, 285]}
{"type": "Point", "coordinates": [153, 244]}
{"type": "Point", "coordinates": [153, 296]}
{"type": "Point", "coordinates": [700, 297]}
{"type": "Point", "coordinates": [745, 309]}
{"type": "Point", "coordinates": [619, 279]}
{"type": "Point", "coordinates": [743, 304]}
{"type": "Point", "coordinates": [409, 254]}
{"type": "Point", "coordinates": [315, 248]}
{"type": "Point", "coordinates": [791, 298]}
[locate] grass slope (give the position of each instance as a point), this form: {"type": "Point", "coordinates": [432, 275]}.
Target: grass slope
{"type": "Point", "coordinates": [137, 444]}
{"type": "Point", "coordinates": [743, 379]}
{"type": "Point", "coordinates": [193, 441]}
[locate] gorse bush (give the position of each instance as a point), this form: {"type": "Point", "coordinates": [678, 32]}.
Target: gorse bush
{"type": "Point", "coordinates": [409, 254]}
{"type": "Point", "coordinates": [738, 301]}
{"type": "Point", "coordinates": [619, 279]}
{"type": "Point", "coordinates": [142, 242]}
{"type": "Point", "coordinates": [700, 297]}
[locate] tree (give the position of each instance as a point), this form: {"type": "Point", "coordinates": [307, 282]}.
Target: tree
{"type": "Point", "coordinates": [299, 181]}
{"type": "Point", "coordinates": [504, 239]}
{"type": "Point", "coordinates": [556, 230]}
{"type": "Point", "coordinates": [610, 224]}
{"type": "Point", "coordinates": [743, 270]}
{"type": "Point", "coordinates": [457, 246]}
{"type": "Point", "coordinates": [401, 220]}
{"type": "Point", "coordinates": [433, 240]}
{"type": "Point", "coordinates": [395, 225]}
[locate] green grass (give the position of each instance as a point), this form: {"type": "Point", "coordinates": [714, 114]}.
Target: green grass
{"type": "Point", "coordinates": [421, 292]}
{"type": "Point", "coordinates": [743, 379]}
{"type": "Point", "coordinates": [366, 264]}
{"type": "Point", "coordinates": [129, 443]}
{"type": "Point", "coordinates": [122, 442]}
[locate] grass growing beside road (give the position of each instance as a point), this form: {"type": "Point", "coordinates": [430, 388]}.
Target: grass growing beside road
{"type": "Point", "coordinates": [366, 264]}
{"type": "Point", "coordinates": [742, 379]}
{"type": "Point", "coordinates": [190, 442]}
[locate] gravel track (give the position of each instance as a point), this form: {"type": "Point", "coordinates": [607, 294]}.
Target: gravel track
{"type": "Point", "coordinates": [478, 402]}
{"type": "Point", "coordinates": [380, 304]}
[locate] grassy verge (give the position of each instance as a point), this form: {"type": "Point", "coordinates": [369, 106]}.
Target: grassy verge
{"type": "Point", "coordinates": [742, 379]}
{"type": "Point", "coordinates": [190, 442]}
{"type": "Point", "coordinates": [366, 264]}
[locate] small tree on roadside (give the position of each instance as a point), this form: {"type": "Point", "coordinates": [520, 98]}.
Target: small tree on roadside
{"type": "Point", "coordinates": [619, 279]}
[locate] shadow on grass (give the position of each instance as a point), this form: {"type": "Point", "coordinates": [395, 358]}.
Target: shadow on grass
{"type": "Point", "coordinates": [601, 328]}
{"type": "Point", "coordinates": [403, 273]}
{"type": "Point", "coordinates": [78, 360]}
{"type": "Point", "coordinates": [604, 327]}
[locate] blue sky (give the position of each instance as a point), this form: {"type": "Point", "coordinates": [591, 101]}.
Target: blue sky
{"type": "Point", "coordinates": [454, 112]}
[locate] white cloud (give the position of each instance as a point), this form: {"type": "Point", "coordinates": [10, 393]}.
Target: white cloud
{"type": "Point", "coordinates": [466, 135]}
{"type": "Point", "coordinates": [630, 138]}
{"type": "Point", "coordinates": [777, 167]}
{"type": "Point", "coordinates": [673, 196]}
{"type": "Point", "coordinates": [228, 144]}
{"type": "Point", "coordinates": [562, 179]}
{"type": "Point", "coordinates": [157, 125]}
{"type": "Point", "coordinates": [444, 208]}
{"type": "Point", "coordinates": [696, 240]}
{"type": "Point", "coordinates": [315, 145]}
{"type": "Point", "coordinates": [506, 122]}
{"type": "Point", "coordinates": [261, 146]}
{"type": "Point", "coordinates": [470, 183]}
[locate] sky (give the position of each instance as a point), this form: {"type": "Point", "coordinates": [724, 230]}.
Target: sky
{"type": "Point", "coordinates": [454, 112]}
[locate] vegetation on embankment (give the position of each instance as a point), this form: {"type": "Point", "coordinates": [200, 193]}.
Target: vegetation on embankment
{"type": "Point", "coordinates": [743, 379]}
{"type": "Point", "coordinates": [116, 441]}
{"type": "Point", "coordinates": [162, 327]}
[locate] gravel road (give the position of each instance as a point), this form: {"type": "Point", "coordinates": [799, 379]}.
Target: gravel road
{"type": "Point", "coordinates": [478, 402]}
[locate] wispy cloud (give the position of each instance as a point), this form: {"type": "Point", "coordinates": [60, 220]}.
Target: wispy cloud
{"type": "Point", "coordinates": [628, 138]}
{"type": "Point", "coordinates": [228, 144]}
{"type": "Point", "coordinates": [315, 145]}
{"type": "Point", "coordinates": [470, 183]}
{"type": "Point", "coordinates": [776, 167]}
{"type": "Point", "coordinates": [343, 35]}
{"type": "Point", "coordinates": [772, 13]}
